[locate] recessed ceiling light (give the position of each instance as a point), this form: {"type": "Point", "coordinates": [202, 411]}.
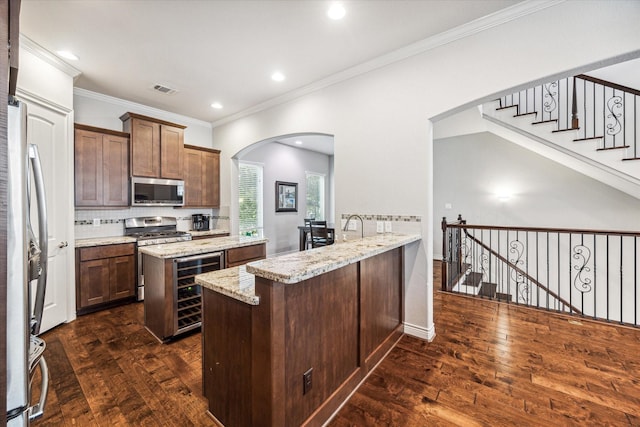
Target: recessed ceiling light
{"type": "Point", "coordinates": [67, 55]}
{"type": "Point", "coordinates": [298, 142]}
{"type": "Point", "coordinates": [336, 11]}
{"type": "Point", "coordinates": [216, 105]}
{"type": "Point", "coordinates": [277, 76]}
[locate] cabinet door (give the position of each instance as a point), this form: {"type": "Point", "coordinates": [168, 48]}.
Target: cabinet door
{"type": "Point", "coordinates": [94, 282]}
{"type": "Point", "coordinates": [145, 148]}
{"type": "Point", "coordinates": [122, 280]}
{"type": "Point", "coordinates": [172, 152]}
{"type": "Point", "coordinates": [116, 170]}
{"type": "Point", "coordinates": [88, 168]}
{"type": "Point", "coordinates": [192, 178]}
{"type": "Point", "coordinates": [210, 179]}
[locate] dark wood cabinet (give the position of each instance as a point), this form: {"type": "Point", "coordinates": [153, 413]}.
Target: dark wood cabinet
{"type": "Point", "coordinates": [245, 254]}
{"type": "Point", "coordinates": [104, 275]}
{"type": "Point", "coordinates": [157, 147]}
{"type": "Point", "coordinates": [338, 325]}
{"type": "Point", "coordinates": [201, 177]}
{"type": "Point", "coordinates": [101, 167]}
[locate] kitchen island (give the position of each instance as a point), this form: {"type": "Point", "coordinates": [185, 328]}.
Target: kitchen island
{"type": "Point", "coordinates": [287, 339]}
{"type": "Point", "coordinates": [173, 302]}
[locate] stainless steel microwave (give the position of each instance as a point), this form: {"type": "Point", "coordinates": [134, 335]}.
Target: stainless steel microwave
{"type": "Point", "coordinates": [156, 192]}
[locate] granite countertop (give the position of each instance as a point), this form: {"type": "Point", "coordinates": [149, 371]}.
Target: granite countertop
{"type": "Point", "coordinates": [201, 246]}
{"type": "Point", "coordinates": [233, 282]}
{"type": "Point", "coordinates": [214, 232]}
{"type": "Point", "coordinates": [101, 241]}
{"type": "Point", "coordinates": [299, 266]}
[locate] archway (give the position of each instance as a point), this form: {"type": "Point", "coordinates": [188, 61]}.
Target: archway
{"type": "Point", "coordinates": [292, 158]}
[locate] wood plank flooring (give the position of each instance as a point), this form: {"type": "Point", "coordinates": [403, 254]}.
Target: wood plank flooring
{"type": "Point", "coordinates": [491, 364]}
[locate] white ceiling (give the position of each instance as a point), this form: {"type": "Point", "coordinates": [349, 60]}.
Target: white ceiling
{"type": "Point", "coordinates": [226, 51]}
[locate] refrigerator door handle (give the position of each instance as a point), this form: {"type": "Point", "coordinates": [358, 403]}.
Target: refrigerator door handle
{"type": "Point", "coordinates": [43, 237]}
{"type": "Point", "coordinates": [36, 411]}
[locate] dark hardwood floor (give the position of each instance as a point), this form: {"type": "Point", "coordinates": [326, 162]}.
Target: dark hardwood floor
{"type": "Point", "coordinates": [491, 364]}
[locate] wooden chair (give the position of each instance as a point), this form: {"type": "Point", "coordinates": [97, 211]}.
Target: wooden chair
{"type": "Point", "coordinates": [320, 235]}
{"type": "Point", "coordinates": [307, 225]}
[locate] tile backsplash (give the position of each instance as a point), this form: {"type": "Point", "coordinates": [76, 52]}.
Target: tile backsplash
{"type": "Point", "coordinates": [111, 222]}
{"type": "Point", "coordinates": [407, 224]}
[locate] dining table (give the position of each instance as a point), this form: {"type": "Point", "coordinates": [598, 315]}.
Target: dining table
{"type": "Point", "coordinates": [305, 231]}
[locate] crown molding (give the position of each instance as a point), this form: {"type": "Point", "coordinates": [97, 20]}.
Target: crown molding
{"type": "Point", "coordinates": [140, 108]}
{"type": "Point", "coordinates": [495, 19]}
{"type": "Point", "coordinates": [34, 48]}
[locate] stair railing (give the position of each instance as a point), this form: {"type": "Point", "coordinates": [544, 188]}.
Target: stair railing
{"type": "Point", "coordinates": [597, 109]}
{"type": "Point", "coordinates": [590, 273]}
{"type": "Point", "coordinates": [610, 113]}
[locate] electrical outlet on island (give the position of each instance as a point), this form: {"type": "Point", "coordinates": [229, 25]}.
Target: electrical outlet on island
{"type": "Point", "coordinates": [307, 381]}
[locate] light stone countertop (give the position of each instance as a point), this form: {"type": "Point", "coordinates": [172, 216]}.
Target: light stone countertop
{"type": "Point", "coordinates": [101, 241]}
{"type": "Point", "coordinates": [233, 282]}
{"type": "Point", "coordinates": [299, 266]}
{"type": "Point", "coordinates": [201, 246]}
{"type": "Point", "coordinates": [214, 232]}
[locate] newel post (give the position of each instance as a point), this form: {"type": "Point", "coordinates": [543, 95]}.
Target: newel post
{"type": "Point", "coordinates": [574, 107]}
{"type": "Point", "coordinates": [443, 264]}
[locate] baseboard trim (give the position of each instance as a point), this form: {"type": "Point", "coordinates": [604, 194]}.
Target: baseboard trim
{"type": "Point", "coordinates": [420, 331]}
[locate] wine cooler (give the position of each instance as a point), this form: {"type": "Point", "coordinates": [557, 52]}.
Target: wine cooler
{"type": "Point", "coordinates": [188, 294]}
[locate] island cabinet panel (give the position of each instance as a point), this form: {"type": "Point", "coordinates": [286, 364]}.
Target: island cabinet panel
{"type": "Point", "coordinates": [228, 358]}
{"type": "Point", "coordinates": [381, 279]}
{"type": "Point", "coordinates": [336, 325]}
{"type": "Point", "coordinates": [321, 333]}
{"type": "Point", "coordinates": [159, 300]}
{"type": "Point", "coordinates": [245, 254]}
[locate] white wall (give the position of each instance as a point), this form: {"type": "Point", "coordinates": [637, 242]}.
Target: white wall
{"type": "Point", "coordinates": [94, 109]}
{"type": "Point", "coordinates": [284, 163]}
{"type": "Point", "coordinates": [470, 170]}
{"type": "Point", "coordinates": [380, 120]}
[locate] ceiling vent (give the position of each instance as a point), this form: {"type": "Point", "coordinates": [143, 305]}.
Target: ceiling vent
{"type": "Point", "coordinates": [163, 89]}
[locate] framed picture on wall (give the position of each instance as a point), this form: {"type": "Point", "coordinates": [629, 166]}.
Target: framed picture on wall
{"type": "Point", "coordinates": [286, 196]}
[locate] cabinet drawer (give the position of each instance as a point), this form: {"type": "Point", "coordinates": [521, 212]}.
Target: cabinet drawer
{"type": "Point", "coordinates": [241, 255]}
{"type": "Point", "coordinates": [107, 251]}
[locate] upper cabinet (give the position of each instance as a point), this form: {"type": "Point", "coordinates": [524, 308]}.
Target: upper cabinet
{"type": "Point", "coordinates": [157, 147]}
{"type": "Point", "coordinates": [201, 177]}
{"type": "Point", "coordinates": [101, 167]}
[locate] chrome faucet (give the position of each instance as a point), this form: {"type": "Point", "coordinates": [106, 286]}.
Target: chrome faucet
{"type": "Point", "coordinates": [346, 224]}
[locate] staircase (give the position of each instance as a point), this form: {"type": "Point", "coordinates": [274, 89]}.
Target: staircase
{"type": "Point", "coordinates": [588, 124]}
{"type": "Point", "coordinates": [590, 273]}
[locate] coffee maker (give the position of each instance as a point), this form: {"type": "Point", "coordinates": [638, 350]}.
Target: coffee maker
{"type": "Point", "coordinates": [200, 222]}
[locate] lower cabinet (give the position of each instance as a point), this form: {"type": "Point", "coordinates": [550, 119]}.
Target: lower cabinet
{"type": "Point", "coordinates": [172, 299]}
{"type": "Point", "coordinates": [245, 254]}
{"type": "Point", "coordinates": [104, 275]}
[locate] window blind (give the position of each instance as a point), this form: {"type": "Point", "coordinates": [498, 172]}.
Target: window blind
{"type": "Point", "coordinates": [315, 195]}
{"type": "Point", "coordinates": [250, 198]}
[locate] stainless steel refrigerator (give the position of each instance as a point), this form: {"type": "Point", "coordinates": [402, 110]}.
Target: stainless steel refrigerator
{"type": "Point", "coordinates": [26, 262]}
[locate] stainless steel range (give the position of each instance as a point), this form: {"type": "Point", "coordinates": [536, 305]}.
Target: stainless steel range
{"type": "Point", "coordinates": [152, 230]}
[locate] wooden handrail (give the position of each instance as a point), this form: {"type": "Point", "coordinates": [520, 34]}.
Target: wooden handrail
{"type": "Point", "coordinates": [609, 84]}
{"type": "Point", "coordinates": [545, 230]}
{"type": "Point", "coordinates": [523, 273]}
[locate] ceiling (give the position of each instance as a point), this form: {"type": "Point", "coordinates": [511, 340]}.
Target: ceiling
{"type": "Point", "coordinates": [226, 51]}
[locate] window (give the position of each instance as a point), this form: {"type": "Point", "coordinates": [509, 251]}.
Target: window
{"type": "Point", "coordinates": [315, 195]}
{"type": "Point", "coordinates": [250, 199]}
